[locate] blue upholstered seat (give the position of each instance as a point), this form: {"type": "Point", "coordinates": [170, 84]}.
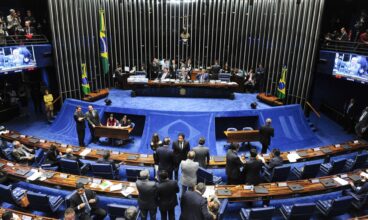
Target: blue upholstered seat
{"type": "Point", "coordinates": [298, 211]}
{"type": "Point", "coordinates": [104, 171]}
{"type": "Point", "coordinates": [207, 177]}
{"type": "Point", "coordinates": [306, 172]}
{"type": "Point", "coordinates": [336, 166]}
{"type": "Point", "coordinates": [280, 173]}
{"type": "Point", "coordinates": [117, 211]}
{"type": "Point", "coordinates": [334, 207]}
{"type": "Point", "coordinates": [224, 77]}
{"type": "Point", "coordinates": [257, 213]}
{"type": "Point", "coordinates": [43, 202]}
{"type": "Point", "coordinates": [9, 195]}
{"type": "Point", "coordinates": [359, 162]}
{"type": "Point", "coordinates": [72, 166]}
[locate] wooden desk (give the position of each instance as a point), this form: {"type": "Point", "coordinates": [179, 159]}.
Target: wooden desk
{"type": "Point", "coordinates": [269, 99]}
{"type": "Point", "coordinates": [113, 132]}
{"type": "Point", "coordinates": [25, 214]}
{"type": "Point", "coordinates": [94, 96]}
{"type": "Point", "coordinates": [215, 161]}
{"type": "Point", "coordinates": [238, 192]}
{"type": "Point", "coordinates": [242, 136]}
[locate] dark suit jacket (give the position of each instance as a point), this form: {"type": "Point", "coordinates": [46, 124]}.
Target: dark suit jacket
{"type": "Point", "coordinates": [194, 207]}
{"type": "Point", "coordinates": [233, 165]}
{"type": "Point", "coordinates": [76, 200]}
{"type": "Point", "coordinates": [51, 157]}
{"type": "Point", "coordinates": [274, 162]}
{"type": "Point", "coordinates": [80, 124]}
{"type": "Point", "coordinates": [362, 190]}
{"type": "Point", "coordinates": [180, 154]}
{"type": "Point", "coordinates": [252, 170]}
{"type": "Point", "coordinates": [93, 120]}
{"type": "Point", "coordinates": [165, 158]}
{"type": "Point", "coordinates": [72, 157]}
{"type": "Point", "coordinates": [112, 163]}
{"type": "Point", "coordinates": [166, 192]}
{"type": "Point", "coordinates": [265, 134]}
{"type": "Point", "coordinates": [202, 155]}
{"type": "Point", "coordinates": [147, 198]}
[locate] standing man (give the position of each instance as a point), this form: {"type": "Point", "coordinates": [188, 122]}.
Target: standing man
{"type": "Point", "coordinates": [165, 158]}
{"type": "Point", "coordinates": [252, 169]}
{"type": "Point", "coordinates": [181, 148]}
{"type": "Point", "coordinates": [202, 153]}
{"type": "Point", "coordinates": [166, 192]}
{"type": "Point", "coordinates": [265, 134]}
{"type": "Point", "coordinates": [189, 170]}
{"type": "Point", "coordinates": [362, 126]}
{"type": "Point", "coordinates": [84, 203]}
{"type": "Point", "coordinates": [233, 165]}
{"type": "Point", "coordinates": [81, 126]}
{"type": "Point", "coordinates": [147, 198]}
{"type": "Point", "coordinates": [260, 72]}
{"type": "Point", "coordinates": [93, 120]}
{"type": "Point", "coordinates": [349, 114]}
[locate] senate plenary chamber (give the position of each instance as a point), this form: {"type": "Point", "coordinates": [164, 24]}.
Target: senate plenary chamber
{"type": "Point", "coordinates": [183, 109]}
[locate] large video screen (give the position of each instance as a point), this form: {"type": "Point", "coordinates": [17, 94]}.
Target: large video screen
{"type": "Point", "coordinates": [351, 67]}
{"type": "Point", "coordinates": [13, 59]}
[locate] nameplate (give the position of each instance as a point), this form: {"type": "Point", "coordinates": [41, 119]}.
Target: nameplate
{"type": "Point", "coordinates": [143, 156]}
{"type": "Point", "coordinates": [248, 187]}
{"type": "Point", "coordinates": [343, 175]}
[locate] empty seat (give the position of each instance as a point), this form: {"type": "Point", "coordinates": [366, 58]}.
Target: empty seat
{"type": "Point", "coordinates": [334, 207]}
{"type": "Point", "coordinates": [72, 166]}
{"type": "Point", "coordinates": [11, 196]}
{"type": "Point", "coordinates": [207, 177]}
{"type": "Point", "coordinates": [117, 211]}
{"type": "Point", "coordinates": [43, 202]}
{"type": "Point", "coordinates": [336, 166]}
{"type": "Point", "coordinates": [306, 172]}
{"type": "Point", "coordinates": [257, 213]}
{"type": "Point", "coordinates": [359, 162]}
{"type": "Point", "coordinates": [298, 211]}
{"type": "Point", "coordinates": [280, 173]}
{"type": "Point", "coordinates": [104, 171]}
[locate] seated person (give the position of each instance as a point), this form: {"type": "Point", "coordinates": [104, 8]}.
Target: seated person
{"type": "Point", "coordinates": [69, 155]}
{"type": "Point", "coordinates": [213, 205]}
{"type": "Point", "coordinates": [165, 74]}
{"type": "Point", "coordinates": [215, 70]}
{"type": "Point", "coordinates": [361, 187]}
{"type": "Point", "coordinates": [52, 156]}
{"type": "Point", "coordinates": [125, 122]}
{"type": "Point", "coordinates": [111, 121]}
{"type": "Point", "coordinates": [22, 154]}
{"type": "Point", "coordinates": [9, 215]}
{"type": "Point", "coordinates": [106, 160]}
{"type": "Point", "coordinates": [276, 160]}
{"type": "Point", "coordinates": [202, 76]}
{"type": "Point", "coordinates": [183, 74]}
{"type": "Point", "coordinates": [250, 80]}
{"type": "Point", "coordinates": [131, 213]}
{"type": "Point", "coordinates": [69, 214]}
{"type": "Point", "coordinates": [184, 35]}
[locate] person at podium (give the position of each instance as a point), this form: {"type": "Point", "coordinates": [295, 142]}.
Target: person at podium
{"type": "Point", "coordinates": [165, 74]}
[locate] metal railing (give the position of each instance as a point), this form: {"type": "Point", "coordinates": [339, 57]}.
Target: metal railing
{"type": "Point", "coordinates": [12, 40]}
{"type": "Point", "coordinates": [345, 46]}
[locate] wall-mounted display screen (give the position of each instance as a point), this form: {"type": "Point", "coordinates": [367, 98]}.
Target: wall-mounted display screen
{"type": "Point", "coordinates": [13, 59]}
{"type": "Point", "coordinates": [351, 67]}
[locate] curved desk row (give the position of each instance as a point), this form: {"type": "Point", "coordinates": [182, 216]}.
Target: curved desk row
{"type": "Point", "coordinates": [234, 193]}
{"type": "Point", "coordinates": [215, 161]}
{"type": "Point", "coordinates": [25, 215]}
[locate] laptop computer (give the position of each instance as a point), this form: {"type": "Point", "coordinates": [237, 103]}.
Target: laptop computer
{"type": "Point", "coordinates": [295, 187]}
{"type": "Point", "coordinates": [354, 177]}
{"type": "Point", "coordinates": [260, 190]}
{"type": "Point", "coordinates": [83, 180]}
{"type": "Point", "coordinates": [33, 140]}
{"type": "Point", "coordinates": [14, 136]}
{"type": "Point", "coordinates": [346, 147]}
{"type": "Point", "coordinates": [328, 182]}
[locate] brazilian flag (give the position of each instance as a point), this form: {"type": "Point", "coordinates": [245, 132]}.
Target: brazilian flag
{"type": "Point", "coordinates": [85, 85]}
{"type": "Point", "coordinates": [103, 44]}
{"type": "Point", "coordinates": [281, 89]}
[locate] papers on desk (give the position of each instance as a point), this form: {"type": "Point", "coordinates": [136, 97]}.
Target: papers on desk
{"type": "Point", "coordinates": [210, 191]}
{"type": "Point", "coordinates": [85, 152]}
{"type": "Point", "coordinates": [34, 176]}
{"type": "Point", "coordinates": [116, 187]}
{"type": "Point", "coordinates": [143, 156]}
{"type": "Point", "coordinates": [337, 145]}
{"type": "Point", "coordinates": [115, 153]}
{"type": "Point", "coordinates": [105, 184]}
{"type": "Point", "coordinates": [293, 156]}
{"type": "Point", "coordinates": [63, 175]}
{"type": "Point", "coordinates": [10, 164]}
{"type": "Point", "coordinates": [261, 158]}
{"type": "Point", "coordinates": [316, 149]}
{"type": "Point", "coordinates": [127, 191]}
{"type": "Point", "coordinates": [26, 217]}
{"type": "Point", "coordinates": [42, 141]}
{"type": "Point", "coordinates": [356, 142]}
{"type": "Point", "coordinates": [340, 181]}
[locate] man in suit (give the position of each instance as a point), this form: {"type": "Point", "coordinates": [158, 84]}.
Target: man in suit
{"type": "Point", "coordinates": [93, 120]}
{"type": "Point", "coordinates": [252, 169]}
{"type": "Point", "coordinates": [181, 148]}
{"type": "Point", "coordinates": [234, 165]}
{"type": "Point", "coordinates": [349, 115]}
{"type": "Point", "coordinates": [165, 74]}
{"type": "Point", "coordinates": [189, 170]}
{"type": "Point", "coordinates": [81, 126]}
{"type": "Point", "coordinates": [166, 193]}
{"type": "Point", "coordinates": [194, 205]}
{"type": "Point", "coordinates": [22, 154]}
{"type": "Point", "coordinates": [215, 70]}
{"type": "Point", "coordinates": [361, 127]}
{"type": "Point", "coordinates": [202, 153]}
{"type": "Point", "coordinates": [147, 198]}
{"type": "Point", "coordinates": [276, 160]}
{"type": "Point", "coordinates": [202, 76]}
{"type": "Point", "coordinates": [265, 134]}
{"type": "Point", "coordinates": [106, 160]}
{"type": "Point", "coordinates": [69, 155]}
{"type": "Point", "coordinates": [165, 158]}
{"type": "Point", "coordinates": [84, 203]}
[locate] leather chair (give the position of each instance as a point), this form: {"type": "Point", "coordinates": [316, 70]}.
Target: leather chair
{"type": "Point", "coordinates": [298, 211]}
{"type": "Point", "coordinates": [359, 162]}
{"type": "Point", "coordinates": [334, 167]}
{"type": "Point", "coordinates": [306, 172]}
{"type": "Point", "coordinates": [72, 166]}
{"type": "Point", "coordinates": [104, 171]}
{"type": "Point", "coordinates": [334, 207]}
{"type": "Point", "coordinates": [207, 177]}
{"type": "Point", "coordinates": [43, 202]}
{"type": "Point", "coordinates": [11, 196]}
{"type": "Point", "coordinates": [280, 173]}
{"type": "Point", "coordinates": [257, 213]}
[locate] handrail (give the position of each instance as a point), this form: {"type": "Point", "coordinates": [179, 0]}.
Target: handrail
{"type": "Point", "coordinates": [313, 109]}
{"type": "Point", "coordinates": [12, 40]}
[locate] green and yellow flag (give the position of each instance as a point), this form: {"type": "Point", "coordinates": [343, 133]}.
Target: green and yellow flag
{"type": "Point", "coordinates": [85, 85]}
{"type": "Point", "coordinates": [103, 44]}
{"type": "Point", "coordinates": [281, 89]}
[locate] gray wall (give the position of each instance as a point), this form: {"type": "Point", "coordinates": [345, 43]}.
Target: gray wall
{"type": "Point", "coordinates": [240, 32]}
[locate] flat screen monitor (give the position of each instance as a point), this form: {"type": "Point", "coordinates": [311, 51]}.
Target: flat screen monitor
{"type": "Point", "coordinates": [352, 67]}
{"type": "Point", "coordinates": [17, 58]}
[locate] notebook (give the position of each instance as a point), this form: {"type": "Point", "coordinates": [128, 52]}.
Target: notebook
{"type": "Point", "coordinates": [260, 190]}
{"type": "Point", "coordinates": [314, 180]}
{"type": "Point", "coordinates": [219, 159]}
{"type": "Point", "coordinates": [328, 182]}
{"type": "Point", "coordinates": [223, 192]}
{"type": "Point", "coordinates": [295, 187]}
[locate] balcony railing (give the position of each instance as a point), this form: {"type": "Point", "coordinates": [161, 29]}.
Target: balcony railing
{"type": "Point", "coordinates": [12, 40]}
{"type": "Point", "coordinates": [345, 46]}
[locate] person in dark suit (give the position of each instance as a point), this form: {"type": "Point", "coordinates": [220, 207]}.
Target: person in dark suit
{"type": "Point", "coordinates": [69, 214]}
{"type": "Point", "coordinates": [349, 115]}
{"type": "Point", "coordinates": [276, 160]}
{"type": "Point", "coordinates": [22, 154]}
{"type": "Point", "coordinates": [359, 188]}
{"type": "Point", "coordinates": [69, 155]}
{"type": "Point", "coordinates": [252, 169]}
{"type": "Point", "coordinates": [93, 120]}
{"type": "Point", "coordinates": [165, 74]}
{"type": "Point", "coordinates": [233, 165]}
{"type": "Point", "coordinates": [52, 156]}
{"type": "Point", "coordinates": [202, 153]}
{"type": "Point", "coordinates": [166, 193]}
{"type": "Point", "coordinates": [165, 158]}
{"type": "Point", "coordinates": [147, 198]}
{"type": "Point", "coordinates": [265, 134]}
{"type": "Point", "coordinates": [181, 148]}
{"type": "Point", "coordinates": [215, 70]}
{"type": "Point", "coordinates": [81, 126]}
{"type": "Point", "coordinates": [194, 205]}
{"type": "Point", "coordinates": [202, 76]}
{"type": "Point", "coordinates": [361, 127]}
{"type": "Point", "coordinates": [106, 160]}
{"type": "Point", "coordinates": [85, 204]}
